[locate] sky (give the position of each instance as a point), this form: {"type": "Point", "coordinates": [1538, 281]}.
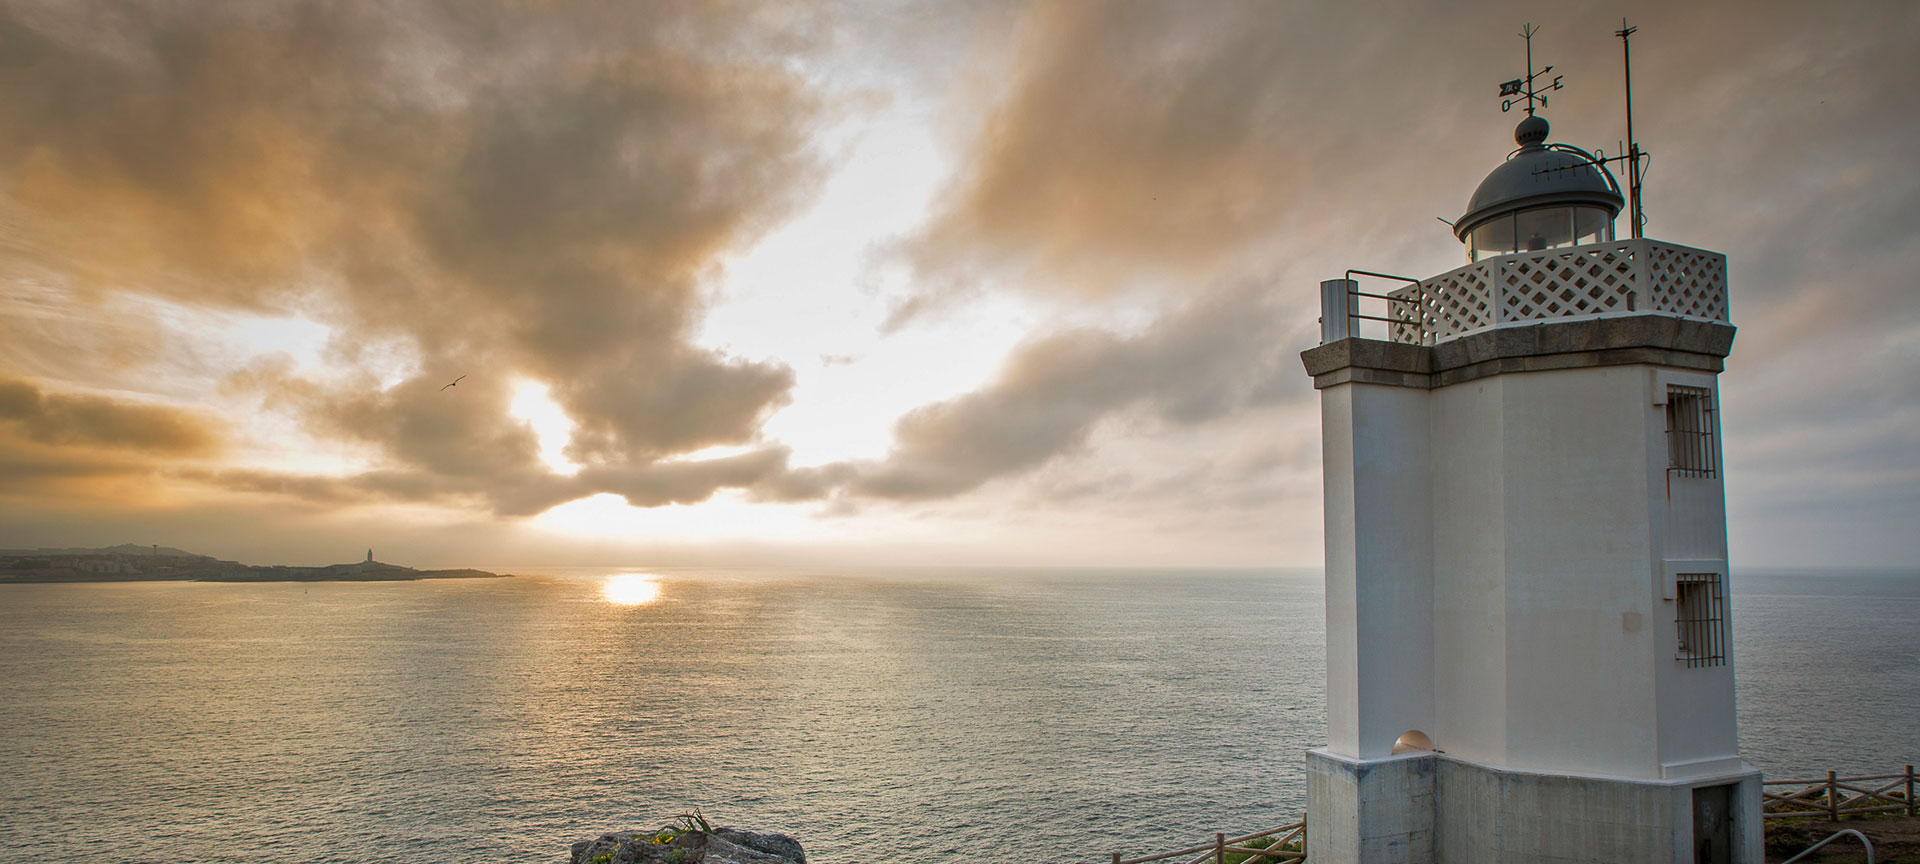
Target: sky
{"type": "Point", "coordinates": [987, 283]}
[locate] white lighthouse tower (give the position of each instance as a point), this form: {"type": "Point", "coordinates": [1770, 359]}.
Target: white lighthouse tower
{"type": "Point", "coordinates": [1528, 646]}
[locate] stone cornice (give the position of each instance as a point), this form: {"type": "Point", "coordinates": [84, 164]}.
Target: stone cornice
{"type": "Point", "coordinates": [1650, 340]}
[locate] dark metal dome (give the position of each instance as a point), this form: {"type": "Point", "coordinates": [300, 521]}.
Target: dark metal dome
{"type": "Point", "coordinates": [1540, 174]}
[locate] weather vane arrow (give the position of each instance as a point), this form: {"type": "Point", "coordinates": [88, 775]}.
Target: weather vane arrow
{"type": "Point", "coordinates": [1525, 87]}
{"type": "Point", "coordinates": [1511, 92]}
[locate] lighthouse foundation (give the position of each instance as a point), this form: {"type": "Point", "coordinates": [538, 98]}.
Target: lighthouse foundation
{"type": "Point", "coordinates": [1371, 809]}
{"type": "Point", "coordinates": [1416, 808]}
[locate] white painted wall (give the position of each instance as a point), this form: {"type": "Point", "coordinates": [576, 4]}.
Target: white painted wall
{"type": "Point", "coordinates": [1342, 531]}
{"type": "Point", "coordinates": [1496, 562]}
{"type": "Point", "coordinates": [1698, 731]}
{"type": "Point", "coordinates": [1379, 567]}
{"type": "Point", "coordinates": [1578, 536]}
{"type": "Point", "coordinates": [1469, 572]}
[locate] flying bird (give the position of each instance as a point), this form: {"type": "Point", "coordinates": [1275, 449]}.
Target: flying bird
{"type": "Point", "coordinates": [455, 381]}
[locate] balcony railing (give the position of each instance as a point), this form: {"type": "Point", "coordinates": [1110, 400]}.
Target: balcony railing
{"type": "Point", "coordinates": [1620, 277]}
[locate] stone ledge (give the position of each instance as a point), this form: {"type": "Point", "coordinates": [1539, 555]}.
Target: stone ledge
{"type": "Point", "coordinates": [1647, 339]}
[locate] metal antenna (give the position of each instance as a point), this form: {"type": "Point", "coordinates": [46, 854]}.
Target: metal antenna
{"type": "Point", "coordinates": [1633, 147]}
{"type": "Point", "coordinates": [1633, 155]}
{"type": "Point", "coordinates": [1523, 87]}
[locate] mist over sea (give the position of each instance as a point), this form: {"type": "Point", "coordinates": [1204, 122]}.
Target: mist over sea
{"type": "Point", "coordinates": [1003, 715]}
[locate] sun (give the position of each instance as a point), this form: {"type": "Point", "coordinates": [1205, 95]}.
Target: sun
{"type": "Point", "coordinates": [631, 589]}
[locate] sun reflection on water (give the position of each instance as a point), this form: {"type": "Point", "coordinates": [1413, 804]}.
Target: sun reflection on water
{"type": "Point", "coordinates": [631, 589]}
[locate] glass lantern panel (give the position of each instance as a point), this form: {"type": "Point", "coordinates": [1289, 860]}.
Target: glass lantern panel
{"type": "Point", "coordinates": [1591, 225]}
{"type": "Point", "coordinates": [1546, 228]}
{"type": "Point", "coordinates": [1493, 238]}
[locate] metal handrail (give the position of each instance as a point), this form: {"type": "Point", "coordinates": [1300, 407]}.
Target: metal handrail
{"type": "Point", "coordinates": [1353, 291]}
{"type": "Point", "coordinates": [1836, 835]}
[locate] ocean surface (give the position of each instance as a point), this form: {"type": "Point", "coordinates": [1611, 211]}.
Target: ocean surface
{"type": "Point", "coordinates": [1016, 716]}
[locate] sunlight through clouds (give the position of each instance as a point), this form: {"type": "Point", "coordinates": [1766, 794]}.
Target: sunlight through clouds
{"type": "Point", "coordinates": [533, 402]}
{"type": "Point", "coordinates": [983, 280]}
{"type": "Point", "coordinates": [726, 516]}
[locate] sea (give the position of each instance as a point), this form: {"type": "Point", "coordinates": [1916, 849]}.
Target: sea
{"type": "Point", "coordinates": [882, 715]}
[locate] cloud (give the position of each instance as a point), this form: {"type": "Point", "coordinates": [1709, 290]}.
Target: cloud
{"type": "Point", "coordinates": [519, 491]}
{"type": "Point", "coordinates": [1223, 353]}
{"type": "Point", "coordinates": [449, 446]}
{"type": "Point", "coordinates": [1134, 129]}
{"type": "Point", "coordinates": [92, 448]}
{"type": "Point", "coordinates": [1141, 145]}
{"type": "Point", "coordinates": [547, 192]}
{"type": "Point", "coordinates": [1138, 148]}
{"type": "Point", "coordinates": [1136, 144]}
{"type": "Point", "coordinates": [687, 482]}
{"type": "Point", "coordinates": [500, 190]}
{"type": "Point", "coordinates": [65, 420]}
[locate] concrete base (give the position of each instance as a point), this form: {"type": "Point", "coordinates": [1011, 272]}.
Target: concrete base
{"type": "Point", "coordinates": [1377, 811]}
{"type": "Point", "coordinates": [1425, 807]}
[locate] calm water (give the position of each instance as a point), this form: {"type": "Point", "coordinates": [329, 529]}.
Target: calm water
{"type": "Point", "coordinates": [1033, 716]}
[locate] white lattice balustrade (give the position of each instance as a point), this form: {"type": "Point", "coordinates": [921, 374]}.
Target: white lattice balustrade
{"type": "Point", "coordinates": [1596, 279]}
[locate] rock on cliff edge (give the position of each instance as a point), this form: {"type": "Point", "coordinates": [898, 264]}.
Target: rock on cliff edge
{"type": "Point", "coordinates": [719, 846]}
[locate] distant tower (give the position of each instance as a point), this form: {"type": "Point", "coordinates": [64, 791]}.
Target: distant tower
{"type": "Point", "coordinates": [369, 555]}
{"type": "Point", "coordinates": [1528, 652]}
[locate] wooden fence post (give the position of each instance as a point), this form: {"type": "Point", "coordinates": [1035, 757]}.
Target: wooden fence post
{"type": "Point", "coordinates": [1219, 849]}
{"type": "Point", "coordinates": [1116, 856]}
{"type": "Point", "coordinates": [1911, 810]}
{"type": "Point", "coordinates": [1833, 798]}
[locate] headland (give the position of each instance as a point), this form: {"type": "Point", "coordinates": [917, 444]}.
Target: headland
{"type": "Point", "coordinates": [131, 563]}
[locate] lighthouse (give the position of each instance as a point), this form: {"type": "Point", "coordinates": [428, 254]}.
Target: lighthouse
{"type": "Point", "coordinates": [1529, 654]}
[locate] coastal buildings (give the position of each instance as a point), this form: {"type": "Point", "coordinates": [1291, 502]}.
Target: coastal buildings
{"type": "Point", "coordinates": [1527, 608]}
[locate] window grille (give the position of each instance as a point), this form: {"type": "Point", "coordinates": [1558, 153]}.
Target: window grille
{"type": "Point", "coordinates": [1700, 613]}
{"type": "Point", "coordinates": [1690, 451]}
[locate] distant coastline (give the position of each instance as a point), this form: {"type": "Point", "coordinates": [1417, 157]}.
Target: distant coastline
{"type": "Point", "coordinates": [130, 563]}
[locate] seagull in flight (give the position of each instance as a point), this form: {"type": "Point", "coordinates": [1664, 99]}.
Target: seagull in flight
{"type": "Point", "coordinates": [455, 381]}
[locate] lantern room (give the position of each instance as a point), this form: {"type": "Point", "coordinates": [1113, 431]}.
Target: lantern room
{"type": "Point", "coordinates": [1545, 196]}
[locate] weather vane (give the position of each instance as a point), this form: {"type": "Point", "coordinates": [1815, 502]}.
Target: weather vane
{"type": "Point", "coordinates": [1631, 153]}
{"type": "Point", "coordinates": [1524, 88]}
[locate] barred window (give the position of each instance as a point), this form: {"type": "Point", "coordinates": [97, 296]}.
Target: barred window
{"type": "Point", "coordinates": [1690, 432]}
{"type": "Point", "coordinates": [1700, 613]}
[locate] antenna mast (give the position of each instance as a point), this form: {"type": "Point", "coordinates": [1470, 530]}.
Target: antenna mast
{"type": "Point", "coordinates": [1633, 147]}
{"type": "Point", "coordinates": [1513, 92]}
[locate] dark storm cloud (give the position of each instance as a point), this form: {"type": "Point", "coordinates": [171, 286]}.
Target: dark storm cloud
{"type": "Point", "coordinates": [506, 190]}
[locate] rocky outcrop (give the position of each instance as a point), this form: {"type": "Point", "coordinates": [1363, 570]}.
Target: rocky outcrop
{"type": "Point", "coordinates": [719, 846]}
